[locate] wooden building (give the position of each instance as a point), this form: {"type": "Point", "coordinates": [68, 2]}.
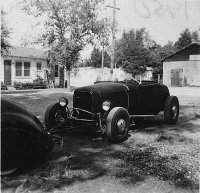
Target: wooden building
{"type": "Point", "coordinates": [183, 67]}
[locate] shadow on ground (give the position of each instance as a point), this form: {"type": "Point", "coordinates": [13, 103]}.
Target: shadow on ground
{"type": "Point", "coordinates": [87, 156]}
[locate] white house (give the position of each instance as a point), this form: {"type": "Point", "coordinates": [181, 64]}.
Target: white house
{"type": "Point", "coordinates": [23, 65]}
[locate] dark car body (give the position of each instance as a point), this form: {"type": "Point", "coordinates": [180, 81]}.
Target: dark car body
{"type": "Point", "coordinates": [23, 137]}
{"type": "Point", "coordinates": [147, 98]}
{"type": "Point", "coordinates": [113, 107]}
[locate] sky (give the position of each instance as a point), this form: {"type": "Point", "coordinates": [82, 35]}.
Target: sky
{"type": "Point", "coordinates": [163, 19]}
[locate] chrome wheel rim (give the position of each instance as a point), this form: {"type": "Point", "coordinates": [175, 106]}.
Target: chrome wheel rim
{"type": "Point", "coordinates": [59, 117]}
{"type": "Point", "coordinates": [174, 111]}
{"type": "Point", "coordinates": [121, 126]}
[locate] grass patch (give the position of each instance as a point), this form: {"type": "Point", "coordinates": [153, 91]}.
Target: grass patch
{"type": "Point", "coordinates": [147, 161]}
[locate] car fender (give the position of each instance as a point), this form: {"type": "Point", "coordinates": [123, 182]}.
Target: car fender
{"type": "Point", "coordinates": [28, 140]}
{"type": "Point", "coordinates": [23, 122]}
{"type": "Point", "coordinates": [164, 97]}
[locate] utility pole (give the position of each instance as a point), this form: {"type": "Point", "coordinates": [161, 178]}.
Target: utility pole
{"type": "Point", "coordinates": [102, 56]}
{"type": "Point", "coordinates": [113, 38]}
{"type": "Point", "coordinates": [102, 61]}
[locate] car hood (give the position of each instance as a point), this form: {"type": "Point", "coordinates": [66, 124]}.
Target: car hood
{"type": "Point", "coordinates": [104, 88]}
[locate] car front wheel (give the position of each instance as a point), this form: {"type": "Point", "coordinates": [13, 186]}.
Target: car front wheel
{"type": "Point", "coordinates": [54, 116]}
{"type": "Point", "coordinates": [171, 110]}
{"type": "Point", "coordinates": [117, 125]}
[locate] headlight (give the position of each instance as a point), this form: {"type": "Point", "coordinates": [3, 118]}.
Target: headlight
{"type": "Point", "coordinates": [63, 101]}
{"type": "Point", "coordinates": [106, 105]}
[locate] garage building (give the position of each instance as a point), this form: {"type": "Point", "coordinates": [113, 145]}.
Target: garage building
{"type": "Point", "coordinates": [183, 67]}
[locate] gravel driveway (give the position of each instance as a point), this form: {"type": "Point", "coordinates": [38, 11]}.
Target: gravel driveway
{"type": "Point", "coordinates": [156, 158]}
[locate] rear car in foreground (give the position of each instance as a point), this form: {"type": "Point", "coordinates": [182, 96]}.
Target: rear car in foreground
{"type": "Point", "coordinates": [23, 138]}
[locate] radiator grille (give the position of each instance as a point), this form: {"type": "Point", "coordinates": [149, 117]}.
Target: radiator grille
{"type": "Point", "coordinates": [83, 100]}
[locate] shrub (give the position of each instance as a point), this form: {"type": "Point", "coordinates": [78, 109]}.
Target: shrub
{"type": "Point", "coordinates": [3, 86]}
{"type": "Point", "coordinates": [39, 82]}
{"type": "Point", "coordinates": [27, 85]}
{"type": "Point", "coordinates": [18, 85]}
{"type": "Point", "coordinates": [23, 86]}
{"type": "Point", "coordinates": [36, 84]}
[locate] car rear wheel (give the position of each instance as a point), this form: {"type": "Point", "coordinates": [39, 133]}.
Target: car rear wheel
{"type": "Point", "coordinates": [171, 110]}
{"type": "Point", "coordinates": [16, 149]}
{"type": "Point", "coordinates": [9, 151]}
{"type": "Point", "coordinates": [117, 125]}
{"type": "Point", "coordinates": [54, 116]}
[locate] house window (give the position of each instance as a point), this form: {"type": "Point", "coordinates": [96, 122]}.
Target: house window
{"type": "Point", "coordinates": [18, 68]}
{"type": "Point", "coordinates": [56, 70]}
{"type": "Point", "coordinates": [26, 69]}
{"type": "Point", "coordinates": [22, 69]}
{"type": "Point", "coordinates": [39, 66]}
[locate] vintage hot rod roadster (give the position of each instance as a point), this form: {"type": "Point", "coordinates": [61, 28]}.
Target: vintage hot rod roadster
{"type": "Point", "coordinates": [24, 139]}
{"type": "Point", "coordinates": [112, 107]}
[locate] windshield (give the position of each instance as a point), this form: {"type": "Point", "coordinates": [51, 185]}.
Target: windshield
{"type": "Point", "coordinates": [130, 80]}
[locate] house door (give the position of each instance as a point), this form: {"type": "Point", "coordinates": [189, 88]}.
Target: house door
{"type": "Point", "coordinates": [177, 77]}
{"type": "Point", "coordinates": [7, 72]}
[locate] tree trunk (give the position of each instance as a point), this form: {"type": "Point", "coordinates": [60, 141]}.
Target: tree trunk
{"type": "Point", "coordinates": [102, 64]}
{"type": "Point", "coordinates": [52, 74]}
{"type": "Point", "coordinates": [61, 77]}
{"type": "Point", "coordinates": [68, 80]}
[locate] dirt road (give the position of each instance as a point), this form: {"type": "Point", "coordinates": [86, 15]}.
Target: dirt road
{"type": "Point", "coordinates": [157, 158]}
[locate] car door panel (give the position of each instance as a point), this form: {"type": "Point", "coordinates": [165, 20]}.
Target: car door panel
{"type": "Point", "coordinates": [149, 99]}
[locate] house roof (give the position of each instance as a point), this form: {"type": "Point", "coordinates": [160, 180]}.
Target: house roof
{"type": "Point", "coordinates": [185, 49]}
{"type": "Point", "coordinates": [27, 52]}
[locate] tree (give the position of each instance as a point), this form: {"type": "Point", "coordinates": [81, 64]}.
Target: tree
{"type": "Point", "coordinates": [107, 59]}
{"type": "Point", "coordinates": [5, 34]}
{"type": "Point", "coordinates": [96, 58]}
{"type": "Point", "coordinates": [69, 26]}
{"type": "Point", "coordinates": [160, 53]}
{"type": "Point", "coordinates": [133, 51]}
{"type": "Point", "coordinates": [186, 38]}
{"type": "Point", "coordinates": [195, 37]}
